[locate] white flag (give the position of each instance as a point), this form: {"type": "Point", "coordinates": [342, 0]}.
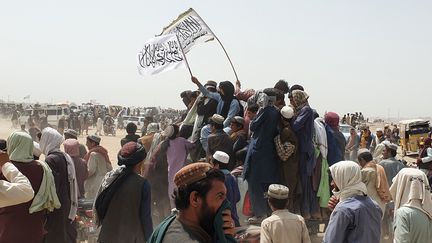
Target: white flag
{"type": "Point", "coordinates": [190, 29]}
{"type": "Point", "coordinates": [160, 54]}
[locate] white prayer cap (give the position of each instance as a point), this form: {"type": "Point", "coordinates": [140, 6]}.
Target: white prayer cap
{"type": "Point", "coordinates": [390, 145]}
{"type": "Point", "coordinates": [221, 157]}
{"type": "Point", "coordinates": [287, 112]}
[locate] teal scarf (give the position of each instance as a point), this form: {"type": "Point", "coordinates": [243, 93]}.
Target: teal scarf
{"type": "Point", "coordinates": [219, 236]}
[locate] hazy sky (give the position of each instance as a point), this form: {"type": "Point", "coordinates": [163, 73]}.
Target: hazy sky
{"type": "Point", "coordinates": [371, 56]}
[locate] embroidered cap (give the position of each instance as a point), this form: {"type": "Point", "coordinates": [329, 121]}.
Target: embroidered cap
{"type": "Point", "coordinates": [191, 173]}
{"type": "Point", "coordinates": [278, 191]}
{"type": "Point", "coordinates": [238, 119]}
{"type": "Point", "coordinates": [218, 119]}
{"type": "Point", "coordinates": [71, 132]}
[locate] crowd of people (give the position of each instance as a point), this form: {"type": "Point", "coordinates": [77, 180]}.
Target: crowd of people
{"type": "Point", "coordinates": [186, 181]}
{"type": "Point", "coordinates": [354, 119]}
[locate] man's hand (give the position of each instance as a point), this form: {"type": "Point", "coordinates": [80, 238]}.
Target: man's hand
{"type": "Point", "coordinates": [195, 80]}
{"type": "Point", "coordinates": [238, 84]}
{"type": "Point", "coordinates": [332, 203]}
{"type": "Point", "coordinates": [228, 223]}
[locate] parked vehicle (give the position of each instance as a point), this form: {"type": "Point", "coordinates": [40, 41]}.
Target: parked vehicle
{"type": "Point", "coordinates": [345, 130]}
{"type": "Point", "coordinates": [53, 114]}
{"type": "Point", "coordinates": [85, 225]}
{"type": "Point", "coordinates": [411, 131]}
{"type": "Point", "coordinates": [125, 120]}
{"type": "Point", "coordinates": [138, 120]}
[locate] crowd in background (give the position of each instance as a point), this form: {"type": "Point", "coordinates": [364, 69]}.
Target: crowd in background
{"type": "Point", "coordinates": [269, 150]}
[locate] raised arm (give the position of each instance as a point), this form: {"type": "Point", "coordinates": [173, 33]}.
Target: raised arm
{"type": "Point", "coordinates": [204, 91]}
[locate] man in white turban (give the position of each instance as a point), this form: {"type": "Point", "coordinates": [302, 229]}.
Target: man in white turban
{"type": "Point", "coordinates": [356, 218]}
{"type": "Point", "coordinates": [413, 206]}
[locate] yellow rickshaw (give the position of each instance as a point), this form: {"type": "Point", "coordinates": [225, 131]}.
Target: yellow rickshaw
{"type": "Point", "coordinates": [411, 131]}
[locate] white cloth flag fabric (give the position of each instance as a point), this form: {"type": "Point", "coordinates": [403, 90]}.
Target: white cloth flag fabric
{"type": "Point", "coordinates": [160, 54]}
{"type": "Point", "coordinates": [190, 29]}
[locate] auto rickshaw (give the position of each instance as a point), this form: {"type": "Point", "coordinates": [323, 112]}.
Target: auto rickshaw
{"type": "Point", "coordinates": [411, 131]}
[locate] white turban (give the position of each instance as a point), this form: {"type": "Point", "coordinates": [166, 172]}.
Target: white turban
{"type": "Point", "coordinates": [411, 188]}
{"type": "Point", "coordinates": [347, 176]}
{"type": "Point", "coordinates": [50, 140]}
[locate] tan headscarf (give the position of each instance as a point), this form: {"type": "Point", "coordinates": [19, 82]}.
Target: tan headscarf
{"type": "Point", "coordinates": [411, 188]}
{"type": "Point", "coordinates": [382, 186]}
{"type": "Point", "coordinates": [300, 99]}
{"type": "Point", "coordinates": [347, 176]}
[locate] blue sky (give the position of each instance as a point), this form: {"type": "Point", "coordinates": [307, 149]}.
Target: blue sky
{"type": "Point", "coordinates": [370, 56]}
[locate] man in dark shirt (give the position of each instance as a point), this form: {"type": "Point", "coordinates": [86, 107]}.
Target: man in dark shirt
{"type": "Point", "coordinates": [131, 129]}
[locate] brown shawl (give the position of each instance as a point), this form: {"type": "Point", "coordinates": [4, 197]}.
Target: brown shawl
{"type": "Point", "coordinates": [98, 149]}
{"type": "Point", "coordinates": [381, 181]}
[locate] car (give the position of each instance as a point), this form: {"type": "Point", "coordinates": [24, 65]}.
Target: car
{"type": "Point", "coordinates": [345, 130]}
{"type": "Point", "coordinates": [138, 120]}
{"type": "Point", "coordinates": [53, 114]}
{"type": "Point", "coordinates": [125, 120]}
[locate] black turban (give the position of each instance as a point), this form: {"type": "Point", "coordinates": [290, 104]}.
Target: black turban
{"type": "Point", "coordinates": [131, 154]}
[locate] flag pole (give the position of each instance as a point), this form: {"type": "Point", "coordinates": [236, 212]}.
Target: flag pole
{"type": "Point", "coordinates": [184, 55]}
{"type": "Point", "coordinates": [223, 48]}
{"type": "Point", "coordinates": [226, 53]}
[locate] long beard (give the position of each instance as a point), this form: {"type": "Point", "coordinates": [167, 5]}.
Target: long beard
{"type": "Point", "coordinates": [207, 219]}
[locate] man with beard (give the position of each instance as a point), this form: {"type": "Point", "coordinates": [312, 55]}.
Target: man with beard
{"type": "Point", "coordinates": [204, 214]}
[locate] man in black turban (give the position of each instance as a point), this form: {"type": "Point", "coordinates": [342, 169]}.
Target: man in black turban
{"type": "Point", "coordinates": [123, 204]}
